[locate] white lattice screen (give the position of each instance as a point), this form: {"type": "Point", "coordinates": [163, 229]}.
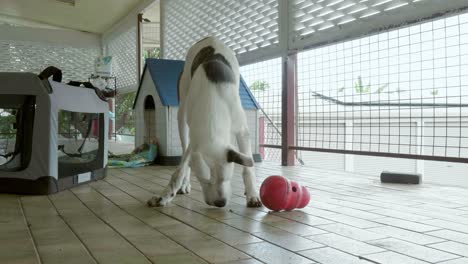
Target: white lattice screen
{"type": "Point", "coordinates": [29, 56]}
{"type": "Point", "coordinates": [123, 50]}
{"type": "Point", "coordinates": [310, 16]}
{"type": "Point", "coordinates": [244, 25]}
{"type": "Point", "coordinates": [316, 22]}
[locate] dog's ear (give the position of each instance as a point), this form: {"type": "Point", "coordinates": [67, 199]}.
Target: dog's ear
{"type": "Point", "coordinates": [239, 158]}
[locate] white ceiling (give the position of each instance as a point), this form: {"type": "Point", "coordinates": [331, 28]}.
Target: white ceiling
{"type": "Point", "coordinates": [153, 12]}
{"type": "Point", "coordinates": [94, 16]}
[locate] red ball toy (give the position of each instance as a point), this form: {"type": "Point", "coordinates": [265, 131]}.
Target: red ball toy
{"type": "Point", "coordinates": [278, 193]}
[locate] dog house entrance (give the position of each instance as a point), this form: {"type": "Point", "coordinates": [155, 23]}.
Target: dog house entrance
{"type": "Point", "coordinates": [150, 119]}
{"type": "Point", "coordinates": [16, 125]}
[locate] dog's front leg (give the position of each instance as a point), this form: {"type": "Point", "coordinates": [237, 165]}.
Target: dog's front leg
{"type": "Point", "coordinates": [248, 173]}
{"type": "Point", "coordinates": [175, 183]}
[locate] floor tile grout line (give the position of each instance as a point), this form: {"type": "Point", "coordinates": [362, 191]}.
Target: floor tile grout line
{"type": "Point", "coordinates": [140, 220]}
{"type": "Point", "coordinates": [110, 225]}
{"type": "Point", "coordinates": [167, 216]}
{"type": "Point", "coordinates": [26, 222]}
{"type": "Point", "coordinates": [444, 261]}
{"type": "Point", "coordinates": [340, 250]}
{"type": "Point", "coordinates": [444, 240]}
{"type": "Point", "coordinates": [72, 230]}
{"type": "Point", "coordinates": [448, 239]}
{"type": "Point", "coordinates": [410, 230]}
{"type": "Point", "coordinates": [403, 254]}
{"type": "Point", "coordinates": [367, 259]}
{"type": "Point", "coordinates": [425, 246]}
{"type": "Point", "coordinates": [252, 234]}
{"type": "Point", "coordinates": [456, 254]}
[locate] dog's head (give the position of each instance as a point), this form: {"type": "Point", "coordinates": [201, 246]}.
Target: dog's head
{"type": "Point", "coordinates": [214, 173]}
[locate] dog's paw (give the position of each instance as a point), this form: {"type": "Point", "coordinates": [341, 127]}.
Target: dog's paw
{"type": "Point", "coordinates": [185, 189]}
{"type": "Point", "coordinates": [157, 201]}
{"type": "Point", "coordinates": [254, 201]}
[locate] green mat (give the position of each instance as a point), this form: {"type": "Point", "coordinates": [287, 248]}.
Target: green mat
{"type": "Point", "coordinates": [141, 156]}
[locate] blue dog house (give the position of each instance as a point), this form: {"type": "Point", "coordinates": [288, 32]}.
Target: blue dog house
{"type": "Point", "coordinates": [156, 106]}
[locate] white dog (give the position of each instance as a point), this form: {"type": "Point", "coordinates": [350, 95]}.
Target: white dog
{"type": "Point", "coordinates": [211, 120]}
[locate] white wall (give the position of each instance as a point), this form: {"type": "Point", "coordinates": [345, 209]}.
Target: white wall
{"type": "Point", "coordinates": [445, 173]}
{"type": "Point", "coordinates": [174, 147]}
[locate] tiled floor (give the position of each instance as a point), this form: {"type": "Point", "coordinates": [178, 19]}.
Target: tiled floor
{"type": "Point", "coordinates": [350, 219]}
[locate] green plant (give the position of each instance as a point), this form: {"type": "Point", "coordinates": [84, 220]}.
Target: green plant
{"type": "Point", "coordinates": [259, 86]}
{"type": "Point", "coordinates": [360, 88]}
{"type": "Point", "coordinates": [151, 53]}
{"type": "Point", "coordinates": [64, 124]}
{"type": "Point", "coordinates": [7, 119]}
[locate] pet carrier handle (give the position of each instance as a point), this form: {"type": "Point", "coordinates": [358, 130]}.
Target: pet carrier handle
{"type": "Point", "coordinates": [55, 72]}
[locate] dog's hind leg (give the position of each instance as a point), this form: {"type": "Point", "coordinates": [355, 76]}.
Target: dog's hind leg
{"type": "Point", "coordinates": [184, 139]}
{"type": "Point", "coordinates": [183, 130]}
{"type": "Point", "coordinates": [248, 173]}
{"type": "Point", "coordinates": [174, 184]}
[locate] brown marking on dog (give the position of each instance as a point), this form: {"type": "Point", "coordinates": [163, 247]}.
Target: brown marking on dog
{"type": "Point", "coordinates": [221, 58]}
{"type": "Point", "coordinates": [216, 67]}
{"type": "Point", "coordinates": [202, 56]}
{"type": "Point", "coordinates": [218, 70]}
{"type": "Point", "coordinates": [233, 156]}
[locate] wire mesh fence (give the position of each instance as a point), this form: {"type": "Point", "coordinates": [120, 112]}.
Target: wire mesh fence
{"type": "Point", "coordinates": [400, 93]}
{"type": "Point", "coordinates": [150, 35]}
{"type": "Point", "coordinates": [264, 81]}
{"type": "Point", "coordinates": [123, 49]}
{"type": "Point", "coordinates": [124, 116]}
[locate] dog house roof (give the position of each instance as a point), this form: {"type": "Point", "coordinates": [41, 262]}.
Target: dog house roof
{"type": "Point", "coordinates": [165, 74]}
